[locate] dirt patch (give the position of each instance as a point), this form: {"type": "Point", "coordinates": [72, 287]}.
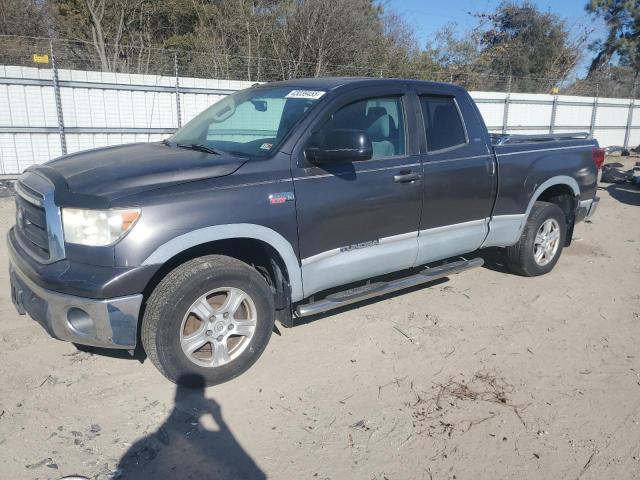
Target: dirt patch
{"type": "Point", "coordinates": [488, 375]}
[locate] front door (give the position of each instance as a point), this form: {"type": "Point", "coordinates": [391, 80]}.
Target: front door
{"type": "Point", "coordinates": [359, 219]}
{"type": "Point", "coordinates": [459, 177]}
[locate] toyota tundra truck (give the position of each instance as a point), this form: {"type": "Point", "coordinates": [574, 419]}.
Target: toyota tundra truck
{"type": "Point", "coordinates": [280, 201]}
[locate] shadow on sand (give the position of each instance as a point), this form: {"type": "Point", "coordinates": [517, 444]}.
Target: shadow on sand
{"type": "Point", "coordinates": [186, 446]}
{"type": "Point", "coordinates": [625, 193]}
{"type": "Point", "coordinates": [495, 259]}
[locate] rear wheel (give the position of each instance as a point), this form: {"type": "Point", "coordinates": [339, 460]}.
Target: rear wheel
{"type": "Point", "coordinates": [541, 242]}
{"type": "Point", "coordinates": [211, 316]}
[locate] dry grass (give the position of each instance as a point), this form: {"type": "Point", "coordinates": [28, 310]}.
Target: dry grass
{"type": "Point", "coordinates": [485, 386]}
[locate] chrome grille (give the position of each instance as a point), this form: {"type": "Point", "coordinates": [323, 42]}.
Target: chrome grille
{"type": "Point", "coordinates": [31, 226]}
{"type": "Point", "coordinates": [38, 221]}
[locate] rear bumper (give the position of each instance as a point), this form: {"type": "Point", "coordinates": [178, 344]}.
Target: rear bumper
{"type": "Point", "coordinates": [587, 209]}
{"type": "Point", "coordinates": [593, 207]}
{"type": "Point", "coordinates": [110, 323]}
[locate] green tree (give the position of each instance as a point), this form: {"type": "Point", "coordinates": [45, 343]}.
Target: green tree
{"type": "Point", "coordinates": [622, 19]}
{"type": "Point", "coordinates": [451, 56]}
{"type": "Point", "coordinates": [521, 41]}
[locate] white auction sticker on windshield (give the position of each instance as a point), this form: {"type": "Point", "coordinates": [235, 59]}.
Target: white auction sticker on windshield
{"type": "Point", "coordinates": [309, 94]}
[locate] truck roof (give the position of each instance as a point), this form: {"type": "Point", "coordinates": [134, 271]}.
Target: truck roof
{"type": "Point", "coordinates": [330, 83]}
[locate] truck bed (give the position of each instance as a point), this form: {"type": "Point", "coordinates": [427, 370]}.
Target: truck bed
{"type": "Point", "coordinates": [504, 139]}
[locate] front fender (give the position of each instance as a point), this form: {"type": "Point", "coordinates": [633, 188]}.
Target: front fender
{"type": "Point", "coordinates": [229, 231]}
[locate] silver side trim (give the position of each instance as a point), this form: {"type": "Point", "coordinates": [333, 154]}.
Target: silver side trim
{"type": "Point", "coordinates": [311, 177]}
{"type": "Point", "coordinates": [320, 256]}
{"type": "Point", "coordinates": [454, 226]}
{"type": "Point", "coordinates": [450, 240]}
{"type": "Point", "coordinates": [574, 147]}
{"type": "Point", "coordinates": [382, 169]}
{"type": "Point", "coordinates": [370, 170]}
{"type": "Point", "coordinates": [236, 230]}
{"type": "Point", "coordinates": [395, 238]}
{"type": "Point", "coordinates": [336, 251]}
{"type": "Point", "coordinates": [253, 184]}
{"type": "Point", "coordinates": [446, 160]}
{"type": "Point", "coordinates": [339, 266]}
{"type": "Point", "coordinates": [504, 230]}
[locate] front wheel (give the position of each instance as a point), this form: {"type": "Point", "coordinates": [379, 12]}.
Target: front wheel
{"type": "Point", "coordinates": [541, 242]}
{"type": "Point", "coordinates": [211, 317]}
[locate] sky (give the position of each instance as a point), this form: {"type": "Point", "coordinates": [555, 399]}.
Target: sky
{"type": "Point", "coordinates": [428, 16]}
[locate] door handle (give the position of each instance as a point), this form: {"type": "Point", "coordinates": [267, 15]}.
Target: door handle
{"type": "Point", "coordinates": [406, 177]}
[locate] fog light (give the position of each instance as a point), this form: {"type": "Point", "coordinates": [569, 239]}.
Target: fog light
{"type": "Point", "coordinates": [80, 322]}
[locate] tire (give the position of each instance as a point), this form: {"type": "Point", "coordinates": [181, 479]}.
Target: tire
{"type": "Point", "coordinates": [521, 257]}
{"type": "Point", "coordinates": [174, 321]}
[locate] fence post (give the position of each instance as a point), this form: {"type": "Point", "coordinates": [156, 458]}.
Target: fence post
{"type": "Point", "coordinates": [554, 110]}
{"type": "Point", "coordinates": [175, 67]}
{"type": "Point", "coordinates": [56, 93]}
{"type": "Point", "coordinates": [627, 132]}
{"type": "Point", "coordinates": [505, 115]}
{"type": "Point", "coordinates": [594, 112]}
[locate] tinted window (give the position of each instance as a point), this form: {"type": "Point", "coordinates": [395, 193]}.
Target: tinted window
{"type": "Point", "coordinates": [251, 122]}
{"type": "Point", "coordinates": [381, 118]}
{"type": "Point", "coordinates": [444, 127]}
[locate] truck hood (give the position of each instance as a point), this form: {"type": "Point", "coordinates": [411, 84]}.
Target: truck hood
{"type": "Point", "coordinates": [113, 172]}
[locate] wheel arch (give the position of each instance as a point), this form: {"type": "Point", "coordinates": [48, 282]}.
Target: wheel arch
{"type": "Point", "coordinates": [554, 187]}
{"type": "Point", "coordinates": [564, 192]}
{"type": "Point", "coordinates": [505, 230]}
{"type": "Point", "coordinates": [253, 244]}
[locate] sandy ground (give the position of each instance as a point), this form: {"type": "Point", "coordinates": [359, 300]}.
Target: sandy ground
{"type": "Point", "coordinates": [488, 375]}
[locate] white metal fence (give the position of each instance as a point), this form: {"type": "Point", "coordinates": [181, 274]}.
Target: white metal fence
{"type": "Point", "coordinates": [44, 115]}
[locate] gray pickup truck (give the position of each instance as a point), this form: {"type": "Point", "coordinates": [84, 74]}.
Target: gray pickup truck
{"type": "Point", "coordinates": [280, 201]}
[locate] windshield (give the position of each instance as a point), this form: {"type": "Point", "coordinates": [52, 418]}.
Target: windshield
{"type": "Point", "coordinates": [249, 122]}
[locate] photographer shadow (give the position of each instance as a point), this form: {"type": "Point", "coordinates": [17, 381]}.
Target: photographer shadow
{"type": "Point", "coordinates": [184, 448]}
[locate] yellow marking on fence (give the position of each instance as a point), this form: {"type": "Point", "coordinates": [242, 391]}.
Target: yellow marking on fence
{"type": "Point", "coordinates": [40, 58]}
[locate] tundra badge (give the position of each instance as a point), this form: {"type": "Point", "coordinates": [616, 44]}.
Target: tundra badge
{"type": "Point", "coordinates": [278, 198]}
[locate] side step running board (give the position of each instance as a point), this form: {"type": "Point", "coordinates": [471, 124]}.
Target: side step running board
{"type": "Point", "coordinates": [357, 294]}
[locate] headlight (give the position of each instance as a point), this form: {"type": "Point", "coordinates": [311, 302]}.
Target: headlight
{"type": "Point", "coordinates": [97, 227]}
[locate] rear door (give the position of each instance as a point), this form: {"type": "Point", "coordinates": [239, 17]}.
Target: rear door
{"type": "Point", "coordinates": [359, 219]}
{"type": "Point", "coordinates": [459, 175]}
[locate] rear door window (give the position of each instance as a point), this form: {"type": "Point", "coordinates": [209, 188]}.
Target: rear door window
{"type": "Point", "coordinates": [443, 124]}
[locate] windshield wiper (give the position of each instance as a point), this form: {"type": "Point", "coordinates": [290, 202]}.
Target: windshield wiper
{"type": "Point", "coordinates": [199, 147]}
{"type": "Point", "coordinates": [237, 153]}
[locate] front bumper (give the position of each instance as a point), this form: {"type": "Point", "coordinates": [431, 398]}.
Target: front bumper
{"type": "Point", "coordinates": [108, 323]}
{"type": "Point", "coordinates": [85, 304]}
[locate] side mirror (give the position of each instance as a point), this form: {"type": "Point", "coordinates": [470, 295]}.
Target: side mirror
{"type": "Point", "coordinates": [260, 105]}
{"type": "Point", "coordinates": [341, 145]}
